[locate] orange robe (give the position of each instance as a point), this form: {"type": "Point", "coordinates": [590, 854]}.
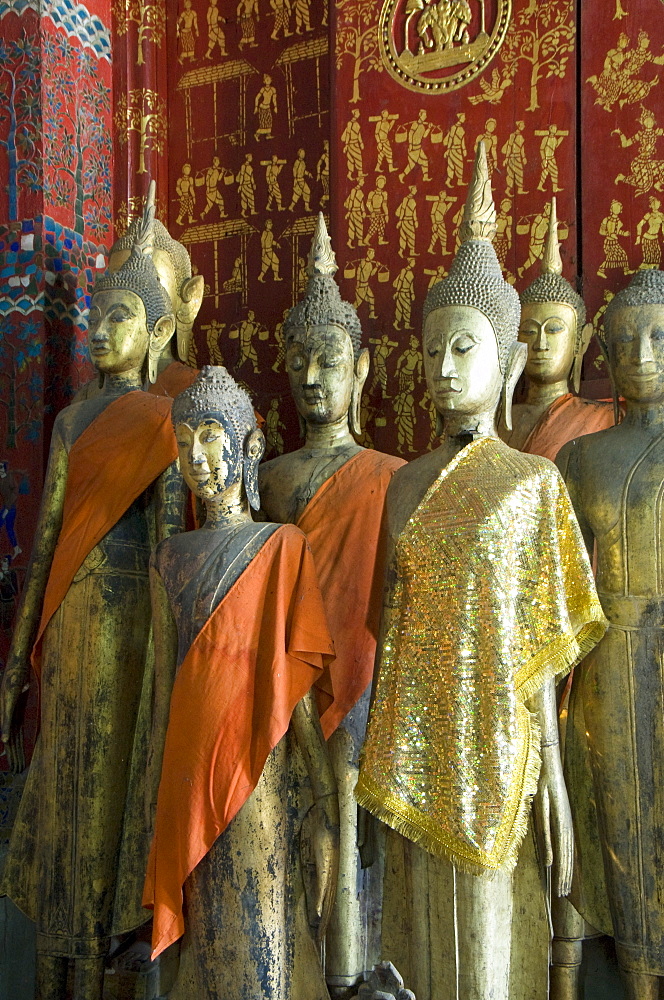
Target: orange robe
{"type": "Point", "coordinates": [342, 524]}
{"type": "Point", "coordinates": [258, 654]}
{"type": "Point", "coordinates": [116, 457]}
{"type": "Point", "coordinates": [567, 418]}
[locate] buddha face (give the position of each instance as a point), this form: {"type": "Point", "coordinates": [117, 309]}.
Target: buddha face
{"type": "Point", "coordinates": [320, 366]}
{"type": "Point", "coordinates": [210, 458]}
{"type": "Point", "coordinates": [549, 331]}
{"type": "Point", "coordinates": [635, 341]}
{"type": "Point", "coordinates": [118, 335]}
{"type": "Point", "coordinates": [461, 361]}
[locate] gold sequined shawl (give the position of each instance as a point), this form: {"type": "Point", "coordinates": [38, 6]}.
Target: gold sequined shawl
{"type": "Point", "coordinates": [494, 596]}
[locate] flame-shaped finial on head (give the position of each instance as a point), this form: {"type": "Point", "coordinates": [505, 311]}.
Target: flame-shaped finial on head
{"type": "Point", "coordinates": [322, 259]}
{"type": "Point", "coordinates": [479, 214]}
{"type": "Point", "coordinates": [552, 262]}
{"type": "Point", "coordinates": [144, 242]}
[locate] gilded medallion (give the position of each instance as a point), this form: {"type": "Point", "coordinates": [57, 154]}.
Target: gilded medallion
{"type": "Point", "coordinates": [433, 46]}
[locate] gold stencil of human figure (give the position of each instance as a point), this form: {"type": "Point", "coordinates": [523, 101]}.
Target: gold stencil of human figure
{"type": "Point", "coordinates": [269, 258]}
{"type": "Point", "coordinates": [265, 106]}
{"type": "Point", "coordinates": [216, 36]}
{"type": "Point", "coordinates": [213, 332]}
{"type": "Point", "coordinates": [273, 168]}
{"type": "Point", "coordinates": [414, 134]}
{"type": "Point", "coordinates": [378, 212]}
{"type": "Point", "coordinates": [612, 229]}
{"type": "Point", "coordinates": [648, 231]}
{"type": "Point", "coordinates": [537, 226]}
{"type": "Point", "coordinates": [490, 140]}
{"type": "Point", "coordinates": [274, 425]}
{"type": "Point", "coordinates": [646, 171]}
{"type": "Point", "coordinates": [186, 29]}
{"type": "Point", "coordinates": [246, 186]}
{"type": "Point", "coordinates": [278, 340]}
{"type": "Point", "coordinates": [245, 332]}
{"type": "Point", "coordinates": [282, 13]}
{"type": "Point", "coordinates": [301, 189]}
{"type": "Point", "coordinates": [618, 81]}
{"type": "Point", "coordinates": [383, 347]}
{"type": "Point", "coordinates": [502, 241]}
{"type": "Point", "coordinates": [364, 271]}
{"type": "Point", "coordinates": [247, 15]}
{"type": "Point", "coordinates": [355, 214]}
{"type": "Point", "coordinates": [236, 282]}
{"type": "Point", "coordinates": [404, 295]}
{"type": "Point", "coordinates": [440, 205]}
{"type": "Point", "coordinates": [408, 369]}
{"type": "Point", "coordinates": [384, 123]}
{"type": "Point", "coordinates": [353, 145]}
{"type": "Point", "coordinates": [407, 223]}
{"type": "Point", "coordinates": [186, 193]}
{"type": "Point", "coordinates": [552, 137]}
{"type": "Point", "coordinates": [454, 144]}
{"type": "Point", "coordinates": [302, 11]}
{"type": "Point", "coordinates": [323, 173]}
{"type": "Point", "coordinates": [212, 178]}
{"type": "Point", "coordinates": [514, 160]}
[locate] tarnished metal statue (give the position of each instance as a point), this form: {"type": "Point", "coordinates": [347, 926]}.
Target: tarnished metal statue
{"type": "Point", "coordinates": [334, 490]}
{"type": "Point", "coordinates": [489, 597]}
{"type": "Point", "coordinates": [236, 831]}
{"type": "Point", "coordinates": [80, 843]}
{"type": "Point", "coordinates": [553, 326]}
{"type": "Point", "coordinates": [615, 729]}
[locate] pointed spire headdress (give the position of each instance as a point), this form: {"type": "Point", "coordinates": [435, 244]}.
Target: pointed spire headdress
{"type": "Point", "coordinates": [138, 274]}
{"type": "Point", "coordinates": [475, 278]}
{"type": "Point", "coordinates": [322, 302]}
{"type": "Point", "coordinates": [550, 286]}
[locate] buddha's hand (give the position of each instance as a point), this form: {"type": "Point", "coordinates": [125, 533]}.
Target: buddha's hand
{"type": "Point", "coordinates": [319, 850]}
{"type": "Point", "coordinates": [554, 820]}
{"type": "Point", "coordinates": [12, 705]}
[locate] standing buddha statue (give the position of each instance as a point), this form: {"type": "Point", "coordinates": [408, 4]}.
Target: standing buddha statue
{"type": "Point", "coordinates": [79, 846]}
{"type": "Point", "coordinates": [615, 730]}
{"type": "Point", "coordinates": [489, 597]}
{"type": "Point", "coordinates": [333, 489]}
{"type": "Point", "coordinates": [553, 325]}
{"type": "Point", "coordinates": [248, 633]}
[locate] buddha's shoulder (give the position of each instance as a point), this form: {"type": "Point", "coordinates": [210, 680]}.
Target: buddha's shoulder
{"type": "Point", "coordinates": [523, 464]}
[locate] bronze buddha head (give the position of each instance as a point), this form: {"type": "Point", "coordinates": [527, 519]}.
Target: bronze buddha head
{"type": "Point", "coordinates": [553, 320]}
{"type": "Point", "coordinates": [326, 363]}
{"type": "Point", "coordinates": [634, 339]}
{"type": "Point", "coordinates": [219, 443]}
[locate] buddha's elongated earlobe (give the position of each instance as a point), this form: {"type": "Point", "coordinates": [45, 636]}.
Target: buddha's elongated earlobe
{"type": "Point", "coordinates": [516, 362]}
{"type": "Point", "coordinates": [359, 378]}
{"type": "Point", "coordinates": [254, 449]}
{"type": "Point", "coordinates": [586, 335]}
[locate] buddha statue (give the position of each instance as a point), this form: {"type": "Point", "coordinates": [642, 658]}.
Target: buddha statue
{"type": "Point", "coordinates": [79, 846]}
{"type": "Point", "coordinates": [185, 291]}
{"type": "Point", "coordinates": [250, 642]}
{"type": "Point", "coordinates": [488, 599]}
{"type": "Point", "coordinates": [553, 326]}
{"type": "Point", "coordinates": [333, 489]}
{"type": "Point", "coordinates": [615, 732]}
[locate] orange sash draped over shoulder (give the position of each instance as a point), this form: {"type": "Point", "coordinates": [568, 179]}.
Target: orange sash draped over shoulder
{"type": "Point", "coordinates": [258, 654]}
{"type": "Point", "coordinates": [342, 523]}
{"type": "Point", "coordinates": [118, 456]}
{"type": "Point", "coordinates": [567, 418]}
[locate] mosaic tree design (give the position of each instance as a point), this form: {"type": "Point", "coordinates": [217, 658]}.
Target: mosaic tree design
{"type": "Point", "coordinates": [77, 156]}
{"type": "Point", "coordinates": [19, 116]}
{"type": "Point", "coordinates": [22, 380]}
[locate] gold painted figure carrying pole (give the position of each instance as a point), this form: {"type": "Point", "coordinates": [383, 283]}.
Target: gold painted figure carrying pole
{"type": "Point", "coordinates": [488, 598]}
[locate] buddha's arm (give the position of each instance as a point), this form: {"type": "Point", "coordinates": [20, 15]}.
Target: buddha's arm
{"type": "Point", "coordinates": [319, 842]}
{"type": "Point", "coordinates": [569, 464]}
{"type": "Point", "coordinates": [172, 497]}
{"type": "Point", "coordinates": [165, 655]}
{"type": "Point", "coordinates": [15, 677]}
{"type": "Point", "coordinates": [552, 803]}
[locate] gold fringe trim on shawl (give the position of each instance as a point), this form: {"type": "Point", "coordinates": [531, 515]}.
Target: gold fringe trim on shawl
{"type": "Point", "coordinates": [423, 830]}
{"type": "Point", "coordinates": [559, 656]}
